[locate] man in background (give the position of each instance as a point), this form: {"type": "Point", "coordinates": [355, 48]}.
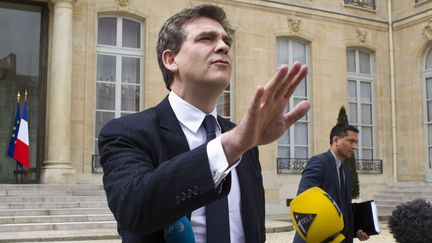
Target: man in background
{"type": "Point", "coordinates": [328, 172]}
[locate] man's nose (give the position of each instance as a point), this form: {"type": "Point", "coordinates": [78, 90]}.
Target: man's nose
{"type": "Point", "coordinates": [222, 46]}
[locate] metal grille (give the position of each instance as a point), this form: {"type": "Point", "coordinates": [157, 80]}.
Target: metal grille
{"type": "Point", "coordinates": [297, 165]}
{"type": "Point", "coordinates": [369, 4]}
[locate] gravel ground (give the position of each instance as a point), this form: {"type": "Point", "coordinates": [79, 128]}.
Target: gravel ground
{"type": "Point", "coordinates": [384, 237]}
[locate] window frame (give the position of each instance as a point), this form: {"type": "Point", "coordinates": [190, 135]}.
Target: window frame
{"type": "Point", "coordinates": [360, 78]}
{"type": "Point", "coordinates": [427, 74]}
{"type": "Point", "coordinates": [292, 145]}
{"type": "Point", "coordinates": [119, 52]}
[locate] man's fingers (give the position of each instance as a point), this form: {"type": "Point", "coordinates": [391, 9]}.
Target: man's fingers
{"type": "Point", "coordinates": [287, 82]}
{"type": "Point", "coordinates": [298, 112]}
{"type": "Point", "coordinates": [275, 83]}
{"type": "Point", "coordinates": [256, 100]}
{"type": "Point", "coordinates": [296, 81]}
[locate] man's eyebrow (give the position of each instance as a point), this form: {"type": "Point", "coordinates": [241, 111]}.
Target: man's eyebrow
{"type": "Point", "coordinates": [213, 33]}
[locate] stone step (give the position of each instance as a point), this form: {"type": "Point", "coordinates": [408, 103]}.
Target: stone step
{"type": "Point", "coordinates": [407, 193]}
{"type": "Point", "coordinates": [45, 187]}
{"type": "Point", "coordinates": [55, 218]}
{"type": "Point", "coordinates": [58, 226]}
{"type": "Point", "coordinates": [401, 198]}
{"type": "Point", "coordinates": [56, 192]}
{"type": "Point", "coordinates": [56, 198]}
{"type": "Point", "coordinates": [45, 205]}
{"type": "Point", "coordinates": [401, 192]}
{"type": "Point", "coordinates": [79, 236]}
{"type": "Point", "coordinates": [55, 211]}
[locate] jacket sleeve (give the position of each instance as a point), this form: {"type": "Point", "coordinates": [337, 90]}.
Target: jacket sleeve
{"type": "Point", "coordinates": [312, 175]}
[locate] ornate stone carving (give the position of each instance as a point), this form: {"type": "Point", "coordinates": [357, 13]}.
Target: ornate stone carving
{"type": "Point", "coordinates": [361, 34]}
{"type": "Point", "coordinates": [123, 3]}
{"type": "Point", "coordinates": [427, 30]}
{"type": "Point", "coordinates": [294, 24]}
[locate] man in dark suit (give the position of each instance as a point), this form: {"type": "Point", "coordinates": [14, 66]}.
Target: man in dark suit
{"type": "Point", "coordinates": [328, 172]}
{"type": "Point", "coordinates": [159, 164]}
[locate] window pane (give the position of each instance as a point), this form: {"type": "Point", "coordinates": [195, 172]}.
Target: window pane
{"type": "Point", "coordinates": [367, 154]}
{"type": "Point", "coordinates": [351, 61]}
{"type": "Point", "coordinates": [430, 158]}
{"type": "Point", "coordinates": [300, 133]}
{"type": "Point", "coordinates": [223, 106]}
{"type": "Point", "coordinates": [106, 70]}
{"type": "Point", "coordinates": [105, 96]}
{"type": "Point", "coordinates": [301, 152]}
{"type": "Point", "coordinates": [282, 51]}
{"type": "Point", "coordinates": [366, 114]}
{"type": "Point", "coordinates": [429, 60]}
{"type": "Point", "coordinates": [284, 152]}
{"type": "Point", "coordinates": [429, 134]}
{"type": "Point", "coordinates": [366, 135]}
{"type": "Point", "coordinates": [352, 90]}
{"type": "Point", "coordinates": [365, 92]}
{"type": "Point", "coordinates": [353, 113]}
{"type": "Point", "coordinates": [131, 34]}
{"type": "Point", "coordinates": [364, 62]}
{"type": "Point", "coordinates": [299, 52]}
{"type": "Point", "coordinates": [428, 88]}
{"type": "Point", "coordinates": [429, 110]}
{"type": "Point", "coordinates": [107, 31]}
{"type": "Point", "coordinates": [102, 117]}
{"type": "Point", "coordinates": [130, 70]}
{"type": "Point", "coordinates": [130, 98]}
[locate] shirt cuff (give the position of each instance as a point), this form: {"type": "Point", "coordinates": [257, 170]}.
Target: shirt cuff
{"type": "Point", "coordinates": [218, 161]}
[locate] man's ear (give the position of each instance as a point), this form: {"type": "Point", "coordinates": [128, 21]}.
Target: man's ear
{"type": "Point", "coordinates": [169, 61]}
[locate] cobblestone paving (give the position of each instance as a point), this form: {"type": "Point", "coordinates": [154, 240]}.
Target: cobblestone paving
{"type": "Point", "coordinates": [283, 237]}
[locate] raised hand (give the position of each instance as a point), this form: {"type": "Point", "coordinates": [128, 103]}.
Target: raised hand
{"type": "Point", "coordinates": [265, 120]}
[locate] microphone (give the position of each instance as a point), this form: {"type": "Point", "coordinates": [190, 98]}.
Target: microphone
{"type": "Point", "coordinates": [179, 232]}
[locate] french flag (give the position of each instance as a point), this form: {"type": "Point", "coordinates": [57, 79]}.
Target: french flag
{"type": "Point", "coordinates": [21, 152]}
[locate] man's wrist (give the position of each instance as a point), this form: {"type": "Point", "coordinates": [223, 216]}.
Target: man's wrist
{"type": "Point", "coordinates": [232, 146]}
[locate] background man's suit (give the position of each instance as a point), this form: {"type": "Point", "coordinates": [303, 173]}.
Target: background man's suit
{"type": "Point", "coordinates": [148, 180]}
{"type": "Point", "coordinates": [321, 171]}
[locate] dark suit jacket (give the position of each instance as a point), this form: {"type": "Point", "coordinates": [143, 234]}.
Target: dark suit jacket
{"type": "Point", "coordinates": [152, 178]}
{"type": "Point", "coordinates": [321, 171]}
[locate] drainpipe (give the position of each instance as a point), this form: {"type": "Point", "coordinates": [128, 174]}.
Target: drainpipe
{"type": "Point", "coordinates": [392, 92]}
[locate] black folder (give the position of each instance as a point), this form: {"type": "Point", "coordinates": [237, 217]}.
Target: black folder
{"type": "Point", "coordinates": [366, 217]}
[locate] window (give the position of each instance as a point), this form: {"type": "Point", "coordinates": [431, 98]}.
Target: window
{"type": "Point", "coordinates": [360, 100]}
{"type": "Point", "coordinates": [119, 74]}
{"type": "Point", "coordinates": [226, 100]}
{"type": "Point", "coordinates": [295, 142]}
{"type": "Point", "coordinates": [427, 74]}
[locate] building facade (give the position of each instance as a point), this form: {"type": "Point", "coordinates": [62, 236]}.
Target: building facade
{"type": "Point", "coordinates": [84, 62]}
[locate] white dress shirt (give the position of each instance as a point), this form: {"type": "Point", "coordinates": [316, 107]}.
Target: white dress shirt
{"type": "Point", "coordinates": [191, 120]}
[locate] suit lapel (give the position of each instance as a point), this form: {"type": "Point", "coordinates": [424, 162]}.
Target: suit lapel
{"type": "Point", "coordinates": [171, 133]}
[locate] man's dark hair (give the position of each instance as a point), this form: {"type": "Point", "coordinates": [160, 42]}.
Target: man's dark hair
{"type": "Point", "coordinates": [341, 130]}
{"type": "Point", "coordinates": [411, 222]}
{"type": "Point", "coordinates": [171, 35]}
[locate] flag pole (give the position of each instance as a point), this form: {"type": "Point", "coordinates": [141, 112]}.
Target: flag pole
{"type": "Point", "coordinates": [17, 168]}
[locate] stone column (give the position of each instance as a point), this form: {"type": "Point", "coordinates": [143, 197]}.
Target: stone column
{"type": "Point", "coordinates": [57, 165]}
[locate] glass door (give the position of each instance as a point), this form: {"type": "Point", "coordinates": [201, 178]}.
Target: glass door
{"type": "Point", "coordinates": [22, 56]}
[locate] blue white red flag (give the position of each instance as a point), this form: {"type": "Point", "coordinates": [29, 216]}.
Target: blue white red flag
{"type": "Point", "coordinates": [21, 152]}
{"type": "Point", "coordinates": [14, 132]}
